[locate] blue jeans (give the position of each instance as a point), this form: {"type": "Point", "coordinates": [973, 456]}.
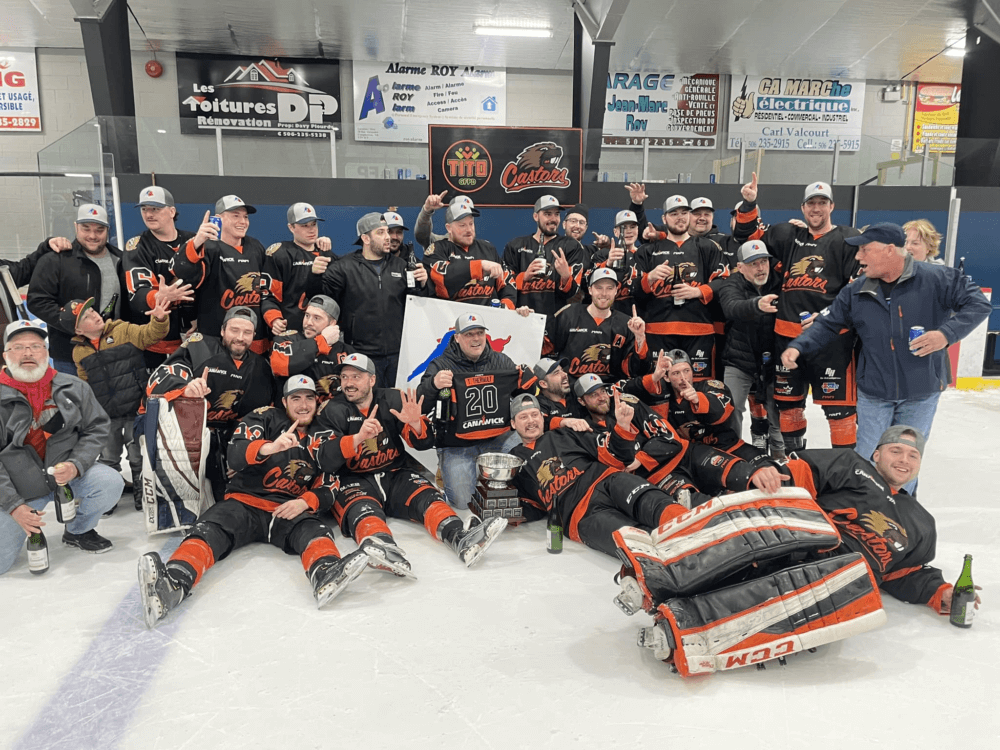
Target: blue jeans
{"type": "Point", "coordinates": [876, 415]}
{"type": "Point", "coordinates": [97, 491]}
{"type": "Point", "coordinates": [458, 466]}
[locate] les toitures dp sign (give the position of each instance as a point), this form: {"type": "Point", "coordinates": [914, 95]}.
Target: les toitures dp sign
{"type": "Point", "coordinates": [258, 95]}
{"type": "Point", "coordinates": [498, 166]}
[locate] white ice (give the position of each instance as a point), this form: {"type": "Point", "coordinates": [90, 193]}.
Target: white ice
{"type": "Point", "coordinates": [525, 650]}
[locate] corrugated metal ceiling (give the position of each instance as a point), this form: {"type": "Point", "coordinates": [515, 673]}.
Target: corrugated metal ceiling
{"type": "Point", "coordinates": [845, 38]}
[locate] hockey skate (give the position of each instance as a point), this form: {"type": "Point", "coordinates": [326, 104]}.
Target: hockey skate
{"type": "Point", "coordinates": [330, 577]}
{"type": "Point", "coordinates": [159, 589]}
{"type": "Point", "coordinates": [471, 543]}
{"type": "Point", "coordinates": [386, 555]}
{"type": "Point", "coordinates": [657, 638]}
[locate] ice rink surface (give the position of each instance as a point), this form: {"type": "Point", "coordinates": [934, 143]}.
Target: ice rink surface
{"type": "Point", "coordinates": [524, 650]}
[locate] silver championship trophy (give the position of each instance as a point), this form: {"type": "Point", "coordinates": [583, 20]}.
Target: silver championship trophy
{"type": "Point", "coordinates": [494, 496]}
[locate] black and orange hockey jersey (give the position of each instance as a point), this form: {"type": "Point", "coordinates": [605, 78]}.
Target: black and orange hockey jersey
{"type": "Point", "coordinates": [225, 277]}
{"type": "Point", "coordinates": [266, 482]}
{"type": "Point", "coordinates": [544, 294]}
{"type": "Point", "coordinates": [293, 353]}
{"type": "Point", "coordinates": [600, 347]}
{"type": "Point", "coordinates": [145, 259]}
{"type": "Point", "coordinates": [815, 268]}
{"type": "Point", "coordinates": [341, 420]}
{"type": "Point", "coordinates": [456, 273]}
{"type": "Point", "coordinates": [287, 282]}
{"type": "Point", "coordinates": [554, 411]}
{"type": "Point", "coordinates": [701, 264]}
{"type": "Point", "coordinates": [237, 386]}
{"type": "Point", "coordinates": [707, 421]}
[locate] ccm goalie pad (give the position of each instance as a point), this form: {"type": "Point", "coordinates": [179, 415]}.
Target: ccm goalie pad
{"type": "Point", "coordinates": [795, 609]}
{"type": "Point", "coordinates": [174, 450]}
{"type": "Point", "coordinates": [699, 550]}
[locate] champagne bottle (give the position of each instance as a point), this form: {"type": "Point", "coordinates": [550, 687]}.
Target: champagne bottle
{"type": "Point", "coordinates": [619, 264]}
{"type": "Point", "coordinates": [65, 501]}
{"type": "Point", "coordinates": [109, 309]}
{"type": "Point", "coordinates": [963, 599]}
{"type": "Point", "coordinates": [540, 255]}
{"type": "Point", "coordinates": [442, 412]}
{"type": "Point", "coordinates": [554, 532]}
{"type": "Point", "coordinates": [38, 553]}
{"type": "Point", "coordinates": [676, 281]}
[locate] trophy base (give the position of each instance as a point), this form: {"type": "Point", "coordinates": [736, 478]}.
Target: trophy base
{"type": "Point", "coordinates": [497, 502]}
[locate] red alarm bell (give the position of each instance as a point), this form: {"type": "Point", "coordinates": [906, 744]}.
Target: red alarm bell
{"type": "Point", "coordinates": [154, 69]}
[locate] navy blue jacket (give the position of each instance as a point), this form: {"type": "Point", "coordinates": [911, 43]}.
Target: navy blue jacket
{"type": "Point", "coordinates": [938, 298]}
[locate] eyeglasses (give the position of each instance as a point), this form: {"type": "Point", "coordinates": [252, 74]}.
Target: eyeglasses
{"type": "Point", "coordinates": [575, 221]}
{"type": "Point", "coordinates": [33, 348]}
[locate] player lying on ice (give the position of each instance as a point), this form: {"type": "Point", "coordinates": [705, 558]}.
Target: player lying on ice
{"type": "Point", "coordinates": [758, 575]}
{"type": "Point", "coordinates": [274, 496]}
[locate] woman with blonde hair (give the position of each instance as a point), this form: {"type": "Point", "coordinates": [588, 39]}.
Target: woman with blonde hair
{"type": "Point", "coordinates": [923, 241]}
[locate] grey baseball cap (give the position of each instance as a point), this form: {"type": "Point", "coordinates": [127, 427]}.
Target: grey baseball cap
{"type": "Point", "coordinates": [468, 321]}
{"type": "Point", "coordinates": [675, 202]}
{"type": "Point", "coordinates": [586, 384]}
{"type": "Point", "coordinates": [231, 203]}
{"type": "Point", "coordinates": [624, 217]}
{"type": "Point", "coordinates": [751, 251]}
{"type": "Point", "coordinates": [369, 223]}
{"type": "Point", "coordinates": [817, 190]}
{"type": "Point", "coordinates": [546, 365]}
{"type": "Point", "coordinates": [23, 326]}
{"type": "Point", "coordinates": [326, 304]}
{"type": "Point", "coordinates": [91, 213]}
{"type": "Point", "coordinates": [522, 402]}
{"type": "Point", "coordinates": [547, 202]}
{"type": "Point", "coordinates": [460, 207]}
{"type": "Point", "coordinates": [895, 434]}
{"type": "Point", "coordinates": [302, 213]}
{"type": "Point", "coordinates": [154, 195]}
{"type": "Point", "coordinates": [358, 362]}
{"type": "Point", "coordinates": [602, 273]}
{"type": "Point", "coordinates": [298, 383]}
{"type": "Point", "coordinates": [392, 219]}
{"type": "Point", "coordinates": [240, 312]}
{"type": "Point", "coordinates": [677, 355]}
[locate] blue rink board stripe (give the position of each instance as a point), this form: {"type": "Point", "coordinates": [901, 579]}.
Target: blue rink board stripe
{"type": "Point", "coordinates": [95, 703]}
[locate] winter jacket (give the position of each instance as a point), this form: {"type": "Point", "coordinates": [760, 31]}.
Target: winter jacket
{"type": "Point", "coordinates": [114, 365]}
{"type": "Point", "coordinates": [938, 298]}
{"type": "Point", "coordinates": [371, 305]}
{"type": "Point", "coordinates": [59, 278]}
{"type": "Point", "coordinates": [749, 331]}
{"type": "Point", "coordinates": [21, 270]}
{"type": "Point", "coordinates": [80, 439]}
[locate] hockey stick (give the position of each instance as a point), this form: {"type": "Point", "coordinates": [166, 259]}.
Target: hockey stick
{"type": "Point", "coordinates": [18, 306]}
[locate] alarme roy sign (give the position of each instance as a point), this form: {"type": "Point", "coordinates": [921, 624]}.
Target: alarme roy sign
{"type": "Point", "coordinates": [506, 166]}
{"type": "Point", "coordinates": [258, 96]}
{"type": "Point", "coordinates": [19, 106]}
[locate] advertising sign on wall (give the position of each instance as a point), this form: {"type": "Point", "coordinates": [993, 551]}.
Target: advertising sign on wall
{"type": "Point", "coordinates": [796, 114]}
{"type": "Point", "coordinates": [935, 117]}
{"type": "Point", "coordinates": [19, 105]}
{"type": "Point", "coordinates": [258, 96]}
{"type": "Point", "coordinates": [396, 102]}
{"type": "Point", "coordinates": [507, 166]}
{"type": "Point", "coordinates": [670, 110]}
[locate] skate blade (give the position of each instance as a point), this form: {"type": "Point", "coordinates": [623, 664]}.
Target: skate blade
{"type": "Point", "coordinates": [152, 607]}
{"type": "Point", "coordinates": [378, 561]}
{"type": "Point", "coordinates": [493, 528]}
{"type": "Point", "coordinates": [629, 600]}
{"type": "Point", "coordinates": [655, 639]}
{"type": "Point", "coordinates": [352, 570]}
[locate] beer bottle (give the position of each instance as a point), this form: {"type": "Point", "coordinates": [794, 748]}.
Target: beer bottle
{"type": "Point", "coordinates": [411, 266]}
{"type": "Point", "coordinates": [65, 501]}
{"type": "Point", "coordinates": [540, 255]}
{"type": "Point", "coordinates": [963, 599]}
{"type": "Point", "coordinates": [442, 412]}
{"type": "Point", "coordinates": [109, 309]}
{"type": "Point", "coordinates": [676, 281]}
{"type": "Point", "coordinates": [554, 532]}
{"type": "Point", "coordinates": [38, 553]}
{"type": "Point", "coordinates": [617, 265]}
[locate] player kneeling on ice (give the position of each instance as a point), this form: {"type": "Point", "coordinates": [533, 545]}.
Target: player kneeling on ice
{"type": "Point", "coordinates": [362, 438]}
{"type": "Point", "coordinates": [274, 497]}
{"type": "Point", "coordinates": [758, 575]}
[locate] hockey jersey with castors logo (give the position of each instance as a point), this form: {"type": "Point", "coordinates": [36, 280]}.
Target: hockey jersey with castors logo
{"type": "Point", "coordinates": [341, 420]}
{"type": "Point", "coordinates": [709, 419]}
{"type": "Point", "coordinates": [236, 387]}
{"type": "Point", "coordinates": [456, 273]}
{"type": "Point", "coordinates": [599, 347]}
{"type": "Point", "coordinates": [701, 264]}
{"type": "Point", "coordinates": [546, 293]}
{"type": "Point", "coordinates": [225, 277]}
{"type": "Point", "coordinates": [293, 353]}
{"type": "Point", "coordinates": [554, 411]}
{"type": "Point", "coordinates": [287, 282]}
{"type": "Point", "coordinates": [145, 260]}
{"type": "Point", "coordinates": [268, 481]}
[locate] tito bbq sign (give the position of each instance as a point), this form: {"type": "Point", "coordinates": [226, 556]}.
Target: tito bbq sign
{"type": "Point", "coordinates": [507, 166]}
{"type": "Point", "coordinates": [258, 96]}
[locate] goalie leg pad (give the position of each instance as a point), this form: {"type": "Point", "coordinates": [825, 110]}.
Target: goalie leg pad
{"type": "Point", "coordinates": [698, 550]}
{"type": "Point", "coordinates": [793, 610]}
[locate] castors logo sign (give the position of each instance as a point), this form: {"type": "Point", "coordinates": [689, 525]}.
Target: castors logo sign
{"type": "Point", "coordinates": [467, 166]}
{"type": "Point", "coordinates": [255, 96]}
{"type": "Point", "coordinates": [535, 161]}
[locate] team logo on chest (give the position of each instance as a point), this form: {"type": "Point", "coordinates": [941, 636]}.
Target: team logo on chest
{"type": "Point", "coordinates": [805, 274]}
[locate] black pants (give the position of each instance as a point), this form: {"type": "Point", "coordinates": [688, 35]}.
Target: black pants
{"type": "Point", "coordinates": [397, 494]}
{"type": "Point", "coordinates": [621, 499]}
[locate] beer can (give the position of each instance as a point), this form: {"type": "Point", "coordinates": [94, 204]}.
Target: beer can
{"type": "Point", "coordinates": [804, 316]}
{"type": "Point", "coordinates": [494, 303]}
{"type": "Point", "coordinates": [217, 220]}
{"type": "Point", "coordinates": [399, 174]}
{"type": "Point", "coordinates": [766, 357]}
{"type": "Point", "coordinates": [916, 331]}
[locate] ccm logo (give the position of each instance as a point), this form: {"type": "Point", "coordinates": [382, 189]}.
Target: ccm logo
{"type": "Point", "coordinates": [752, 656]}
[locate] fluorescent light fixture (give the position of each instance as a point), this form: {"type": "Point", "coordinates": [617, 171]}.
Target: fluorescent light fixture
{"type": "Point", "coordinates": [161, 131]}
{"type": "Point", "coordinates": [513, 31]}
{"type": "Point", "coordinates": [955, 52]}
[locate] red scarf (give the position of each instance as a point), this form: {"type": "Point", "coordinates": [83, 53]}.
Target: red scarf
{"type": "Point", "coordinates": [37, 394]}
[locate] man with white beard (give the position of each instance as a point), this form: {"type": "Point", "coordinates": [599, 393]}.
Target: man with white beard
{"type": "Point", "coordinates": [52, 431]}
